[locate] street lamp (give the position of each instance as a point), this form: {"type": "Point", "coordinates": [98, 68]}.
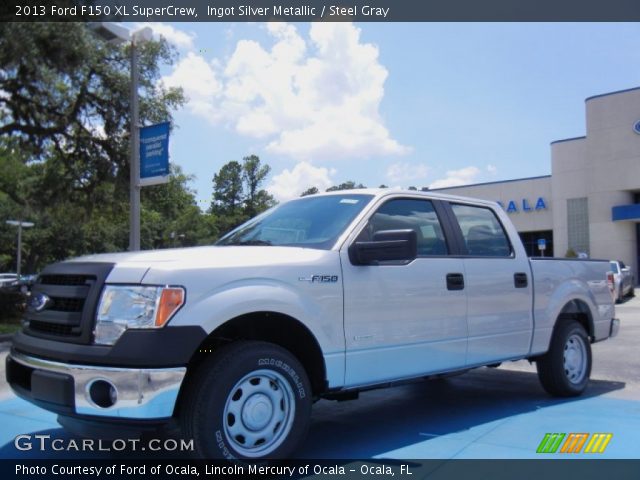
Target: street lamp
{"type": "Point", "coordinates": [116, 34]}
{"type": "Point", "coordinates": [20, 224]}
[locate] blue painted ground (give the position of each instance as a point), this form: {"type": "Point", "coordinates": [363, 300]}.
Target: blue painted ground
{"type": "Point", "coordinates": [483, 414]}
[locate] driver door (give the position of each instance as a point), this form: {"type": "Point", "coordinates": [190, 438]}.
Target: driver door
{"type": "Point", "coordinates": [404, 319]}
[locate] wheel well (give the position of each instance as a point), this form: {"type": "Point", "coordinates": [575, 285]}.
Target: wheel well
{"type": "Point", "coordinates": [579, 311]}
{"type": "Point", "coordinates": [272, 327]}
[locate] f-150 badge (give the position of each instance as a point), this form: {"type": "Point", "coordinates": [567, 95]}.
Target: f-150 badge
{"type": "Point", "coordinates": [319, 279]}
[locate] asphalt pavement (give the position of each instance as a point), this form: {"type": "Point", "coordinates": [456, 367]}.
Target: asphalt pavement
{"type": "Point", "coordinates": [487, 413]}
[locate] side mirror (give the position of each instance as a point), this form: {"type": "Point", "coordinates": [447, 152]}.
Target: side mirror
{"type": "Point", "coordinates": [387, 245]}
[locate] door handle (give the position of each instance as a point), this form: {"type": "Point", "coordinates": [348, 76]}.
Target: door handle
{"type": "Point", "coordinates": [520, 280]}
{"type": "Point", "coordinates": [455, 281]}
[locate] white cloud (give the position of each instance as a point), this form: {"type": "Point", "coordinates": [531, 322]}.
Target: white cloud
{"type": "Point", "coordinates": [200, 83]}
{"type": "Point", "coordinates": [464, 176]}
{"type": "Point", "coordinates": [492, 169]}
{"type": "Point", "coordinates": [310, 98]}
{"type": "Point", "coordinates": [179, 38]}
{"type": "Point", "coordinates": [403, 172]}
{"type": "Point", "coordinates": [290, 184]}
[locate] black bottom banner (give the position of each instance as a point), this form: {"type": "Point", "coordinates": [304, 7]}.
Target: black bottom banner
{"type": "Point", "coordinates": [324, 469]}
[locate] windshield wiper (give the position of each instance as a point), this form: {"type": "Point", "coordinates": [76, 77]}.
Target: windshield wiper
{"type": "Point", "coordinates": [251, 242]}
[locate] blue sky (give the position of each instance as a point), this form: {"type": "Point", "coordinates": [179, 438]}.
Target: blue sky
{"type": "Point", "coordinates": [423, 104]}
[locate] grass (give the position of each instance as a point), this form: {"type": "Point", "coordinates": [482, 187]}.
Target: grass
{"type": "Point", "coordinates": [10, 324]}
{"type": "Point", "coordinates": [9, 328]}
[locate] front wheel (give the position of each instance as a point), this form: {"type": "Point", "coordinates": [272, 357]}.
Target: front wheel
{"type": "Point", "coordinates": [565, 369]}
{"type": "Point", "coordinates": [250, 400]}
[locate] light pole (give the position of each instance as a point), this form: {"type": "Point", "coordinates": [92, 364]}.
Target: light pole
{"type": "Point", "coordinates": [113, 33]}
{"type": "Point", "coordinates": [20, 224]}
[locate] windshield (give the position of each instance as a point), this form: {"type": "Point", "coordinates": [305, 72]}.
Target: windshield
{"type": "Point", "coordinates": [313, 222]}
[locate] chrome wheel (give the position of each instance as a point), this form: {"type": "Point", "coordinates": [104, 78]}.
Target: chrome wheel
{"type": "Point", "coordinates": [575, 359]}
{"type": "Point", "coordinates": [259, 413]}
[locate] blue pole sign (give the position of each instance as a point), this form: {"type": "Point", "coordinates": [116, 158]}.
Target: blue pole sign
{"type": "Point", "coordinates": [154, 154]}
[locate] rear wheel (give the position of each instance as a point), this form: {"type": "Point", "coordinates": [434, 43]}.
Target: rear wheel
{"type": "Point", "coordinates": [251, 400]}
{"type": "Point", "coordinates": [565, 369]}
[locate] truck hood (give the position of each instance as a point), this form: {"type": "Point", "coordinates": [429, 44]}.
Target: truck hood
{"type": "Point", "coordinates": [195, 258]}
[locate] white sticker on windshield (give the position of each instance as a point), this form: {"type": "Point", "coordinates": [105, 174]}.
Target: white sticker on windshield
{"type": "Point", "coordinates": [350, 201]}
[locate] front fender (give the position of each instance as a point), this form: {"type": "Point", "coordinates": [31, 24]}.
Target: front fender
{"type": "Point", "coordinates": [321, 312]}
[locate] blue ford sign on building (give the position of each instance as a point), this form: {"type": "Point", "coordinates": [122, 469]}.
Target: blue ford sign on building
{"type": "Point", "coordinates": [154, 154]}
{"type": "Point", "coordinates": [514, 206]}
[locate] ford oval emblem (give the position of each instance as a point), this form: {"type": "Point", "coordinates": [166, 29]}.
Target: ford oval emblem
{"type": "Point", "coordinates": [39, 302]}
{"type": "Point", "coordinates": [636, 127]}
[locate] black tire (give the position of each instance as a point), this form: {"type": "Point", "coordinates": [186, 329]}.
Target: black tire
{"type": "Point", "coordinates": [259, 382]}
{"type": "Point", "coordinates": [565, 369]}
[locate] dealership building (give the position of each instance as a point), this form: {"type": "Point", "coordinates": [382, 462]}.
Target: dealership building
{"type": "Point", "coordinates": [591, 201]}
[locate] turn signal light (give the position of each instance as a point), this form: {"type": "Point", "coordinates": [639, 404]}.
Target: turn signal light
{"type": "Point", "coordinates": [170, 302]}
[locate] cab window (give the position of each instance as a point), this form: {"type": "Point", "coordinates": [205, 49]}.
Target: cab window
{"type": "Point", "coordinates": [409, 214]}
{"type": "Point", "coordinates": [483, 233]}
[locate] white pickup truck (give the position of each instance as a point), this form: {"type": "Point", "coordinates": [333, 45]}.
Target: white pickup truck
{"type": "Point", "coordinates": [319, 297]}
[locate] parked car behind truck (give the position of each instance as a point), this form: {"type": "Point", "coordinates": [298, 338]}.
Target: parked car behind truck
{"type": "Point", "coordinates": [323, 296]}
{"type": "Point", "coordinates": [623, 280]}
{"type": "Point", "coordinates": [9, 281]}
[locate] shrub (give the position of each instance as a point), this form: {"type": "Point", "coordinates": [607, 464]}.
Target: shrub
{"type": "Point", "coordinates": [571, 253]}
{"type": "Point", "coordinates": [12, 305]}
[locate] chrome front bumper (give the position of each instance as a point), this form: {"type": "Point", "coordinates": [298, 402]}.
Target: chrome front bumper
{"type": "Point", "coordinates": [140, 393]}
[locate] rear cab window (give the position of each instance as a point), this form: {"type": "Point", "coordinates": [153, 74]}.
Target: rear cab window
{"type": "Point", "coordinates": [482, 232]}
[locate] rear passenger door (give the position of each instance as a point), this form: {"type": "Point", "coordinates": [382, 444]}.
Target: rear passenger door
{"type": "Point", "coordinates": [402, 319]}
{"type": "Point", "coordinates": [498, 285]}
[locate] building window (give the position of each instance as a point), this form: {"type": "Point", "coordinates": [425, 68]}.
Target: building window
{"type": "Point", "coordinates": [578, 224]}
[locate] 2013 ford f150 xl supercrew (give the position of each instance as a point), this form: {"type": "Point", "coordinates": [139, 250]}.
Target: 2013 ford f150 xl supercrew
{"type": "Point", "coordinates": [323, 296]}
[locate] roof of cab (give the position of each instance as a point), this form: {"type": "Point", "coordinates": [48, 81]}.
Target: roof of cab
{"type": "Point", "coordinates": [383, 192]}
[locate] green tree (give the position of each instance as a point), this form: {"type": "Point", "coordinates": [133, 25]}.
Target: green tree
{"type": "Point", "coordinates": [237, 195]}
{"type": "Point", "coordinates": [64, 142]}
{"type": "Point", "coordinates": [171, 216]}
{"type": "Point", "coordinates": [348, 185]}
{"type": "Point", "coordinates": [310, 191]}
{"type": "Point", "coordinates": [256, 200]}
{"type": "Point", "coordinates": [228, 196]}
{"type": "Point", "coordinates": [66, 98]}
{"type": "Point", "coordinates": [227, 188]}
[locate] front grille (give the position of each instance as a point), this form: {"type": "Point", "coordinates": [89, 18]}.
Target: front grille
{"type": "Point", "coordinates": [64, 301]}
{"type": "Point", "coordinates": [52, 328]}
{"type": "Point", "coordinates": [67, 304]}
{"type": "Point", "coordinates": [65, 279]}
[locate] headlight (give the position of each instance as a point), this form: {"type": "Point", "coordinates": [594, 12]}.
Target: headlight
{"type": "Point", "coordinates": [124, 306]}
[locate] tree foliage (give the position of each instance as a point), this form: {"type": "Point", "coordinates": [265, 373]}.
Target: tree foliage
{"type": "Point", "coordinates": [64, 150]}
{"type": "Point", "coordinates": [310, 191]}
{"type": "Point", "coordinates": [348, 185]}
{"type": "Point", "coordinates": [237, 192]}
{"type": "Point", "coordinates": [64, 142]}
